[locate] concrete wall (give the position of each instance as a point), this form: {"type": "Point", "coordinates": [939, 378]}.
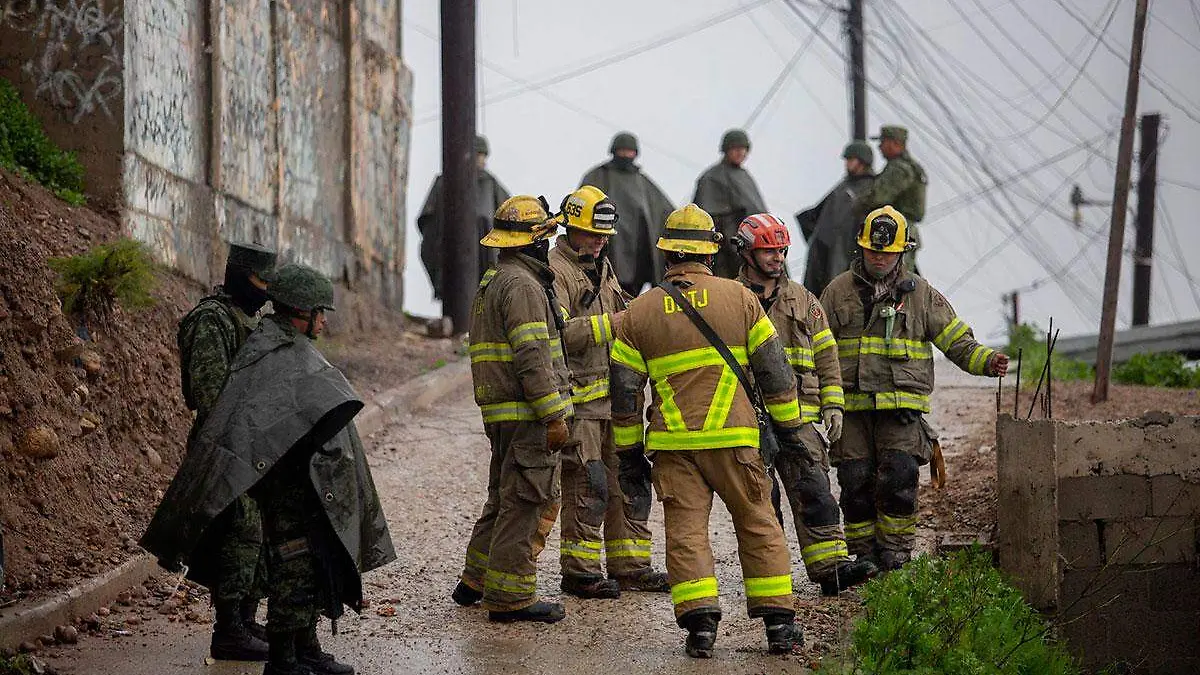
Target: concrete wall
{"type": "Point", "coordinates": [1100, 525]}
{"type": "Point", "coordinates": [206, 121]}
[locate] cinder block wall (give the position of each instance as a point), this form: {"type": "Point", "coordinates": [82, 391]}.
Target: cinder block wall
{"type": "Point", "coordinates": [1100, 527]}
{"type": "Point", "coordinates": [206, 121]}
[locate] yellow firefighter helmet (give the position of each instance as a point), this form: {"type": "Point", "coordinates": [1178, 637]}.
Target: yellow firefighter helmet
{"type": "Point", "coordinates": [520, 221]}
{"type": "Point", "coordinates": [690, 230]}
{"type": "Point", "coordinates": [590, 210]}
{"type": "Point", "coordinates": [885, 230]}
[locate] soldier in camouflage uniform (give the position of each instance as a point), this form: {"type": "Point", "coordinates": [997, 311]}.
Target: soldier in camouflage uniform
{"type": "Point", "coordinates": [209, 337]}
{"type": "Point", "coordinates": [900, 185]}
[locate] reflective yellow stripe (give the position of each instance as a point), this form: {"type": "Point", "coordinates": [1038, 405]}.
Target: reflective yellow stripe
{"type": "Point", "coordinates": [718, 409]}
{"type": "Point", "coordinates": [628, 356]}
{"type": "Point", "coordinates": [517, 584]}
{"type": "Point", "coordinates": [556, 348]}
{"type": "Point", "coordinates": [897, 524]}
{"type": "Point", "coordinates": [477, 560]}
{"type": "Point", "coordinates": [832, 396]}
{"type": "Point", "coordinates": [627, 548]}
{"type": "Point", "coordinates": [896, 348]}
{"type": "Point", "coordinates": [551, 403]}
{"type": "Point", "coordinates": [534, 330]}
{"type": "Point", "coordinates": [679, 362]}
{"type": "Point", "coordinates": [950, 334]}
{"type": "Point", "coordinates": [672, 417]}
{"type": "Point", "coordinates": [784, 412]}
{"type": "Point", "coordinates": [824, 550]}
{"type": "Point", "coordinates": [579, 548]}
{"type": "Point", "coordinates": [887, 400]}
{"type": "Point", "coordinates": [768, 587]}
{"type": "Point", "coordinates": [483, 352]}
{"type": "Point", "coordinates": [562, 311]}
{"type": "Point", "coordinates": [823, 340]}
{"type": "Point", "coordinates": [731, 437]}
{"type": "Point", "coordinates": [590, 392]}
{"type": "Point", "coordinates": [695, 589]}
{"type": "Point", "coordinates": [601, 329]}
{"type": "Point", "coordinates": [626, 436]}
{"type": "Point", "coordinates": [760, 332]}
{"type": "Point", "coordinates": [487, 277]}
{"type": "Point", "coordinates": [800, 357]}
{"type": "Point", "coordinates": [512, 411]}
{"type": "Point", "coordinates": [979, 359]}
{"type": "Point", "coordinates": [860, 530]}
{"type": "Point", "coordinates": [809, 413]}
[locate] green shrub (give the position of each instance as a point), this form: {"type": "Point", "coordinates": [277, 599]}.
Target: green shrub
{"type": "Point", "coordinates": [1032, 340]}
{"type": "Point", "coordinates": [93, 283]}
{"type": "Point", "coordinates": [1166, 369]}
{"type": "Point", "coordinates": [25, 150]}
{"type": "Point", "coordinates": [952, 615]}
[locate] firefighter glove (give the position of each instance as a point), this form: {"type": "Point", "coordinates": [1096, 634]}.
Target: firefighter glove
{"type": "Point", "coordinates": [833, 423]}
{"type": "Point", "coordinates": [557, 434]}
{"type": "Point", "coordinates": [634, 477]}
{"type": "Point", "coordinates": [998, 365]}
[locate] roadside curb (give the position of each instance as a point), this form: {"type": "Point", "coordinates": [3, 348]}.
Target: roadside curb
{"type": "Point", "coordinates": [416, 394]}
{"type": "Point", "coordinates": [21, 623]}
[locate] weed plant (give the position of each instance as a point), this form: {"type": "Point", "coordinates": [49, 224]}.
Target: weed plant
{"type": "Point", "coordinates": [1158, 370]}
{"type": "Point", "coordinates": [1032, 341]}
{"type": "Point", "coordinates": [26, 151]}
{"type": "Point", "coordinates": [94, 283]}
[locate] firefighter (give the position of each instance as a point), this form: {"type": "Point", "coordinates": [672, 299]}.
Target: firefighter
{"type": "Point", "coordinates": [595, 514]}
{"type": "Point", "coordinates": [762, 240]}
{"type": "Point", "coordinates": [522, 389]}
{"type": "Point", "coordinates": [884, 318]}
{"type": "Point", "coordinates": [704, 431]}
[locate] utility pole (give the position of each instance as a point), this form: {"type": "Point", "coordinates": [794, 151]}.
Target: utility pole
{"type": "Point", "coordinates": [858, 70]}
{"type": "Point", "coordinates": [1116, 233]}
{"type": "Point", "coordinates": [460, 261]}
{"type": "Point", "coordinates": [1014, 300]}
{"type": "Point", "coordinates": [1143, 249]}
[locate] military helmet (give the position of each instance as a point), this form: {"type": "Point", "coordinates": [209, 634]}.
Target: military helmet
{"type": "Point", "coordinates": [885, 230]}
{"type": "Point", "coordinates": [761, 231]}
{"type": "Point", "coordinates": [735, 138]}
{"type": "Point", "coordinates": [590, 210]}
{"type": "Point", "coordinates": [623, 141]}
{"type": "Point", "coordinates": [253, 257]}
{"type": "Point", "coordinates": [892, 131]}
{"type": "Point", "coordinates": [520, 221]}
{"type": "Point", "coordinates": [690, 230]}
{"type": "Point", "coordinates": [860, 150]}
{"type": "Point", "coordinates": [301, 287]}
{"type": "Point", "coordinates": [481, 146]}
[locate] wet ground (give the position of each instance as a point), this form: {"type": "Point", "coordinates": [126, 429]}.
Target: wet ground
{"type": "Point", "coordinates": [431, 471]}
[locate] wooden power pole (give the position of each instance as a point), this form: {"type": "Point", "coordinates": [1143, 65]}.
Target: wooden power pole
{"type": "Point", "coordinates": [1143, 250]}
{"type": "Point", "coordinates": [858, 69]}
{"type": "Point", "coordinates": [460, 241]}
{"type": "Point", "coordinates": [1116, 233]}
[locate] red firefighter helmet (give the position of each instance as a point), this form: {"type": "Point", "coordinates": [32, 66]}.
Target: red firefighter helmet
{"type": "Point", "coordinates": [761, 230]}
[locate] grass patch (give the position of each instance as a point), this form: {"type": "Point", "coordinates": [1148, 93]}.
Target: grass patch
{"type": "Point", "coordinates": [26, 151]}
{"type": "Point", "coordinates": [1166, 369]}
{"type": "Point", "coordinates": [1032, 341]}
{"type": "Point", "coordinates": [94, 283]}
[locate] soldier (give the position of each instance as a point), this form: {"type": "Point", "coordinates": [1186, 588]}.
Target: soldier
{"type": "Point", "coordinates": [490, 194]}
{"type": "Point", "coordinates": [830, 226]}
{"type": "Point", "coordinates": [884, 318]}
{"type": "Point", "coordinates": [592, 302]}
{"type": "Point", "coordinates": [704, 430]}
{"type": "Point", "coordinates": [209, 337]}
{"type": "Point", "coordinates": [643, 207]}
{"type": "Point", "coordinates": [900, 185]}
{"type": "Point", "coordinates": [728, 192]}
{"type": "Point", "coordinates": [763, 241]}
{"type": "Point", "coordinates": [524, 392]}
{"type": "Point", "coordinates": [296, 451]}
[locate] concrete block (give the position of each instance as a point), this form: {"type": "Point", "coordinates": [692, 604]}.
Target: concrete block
{"type": "Point", "coordinates": [1174, 586]}
{"type": "Point", "coordinates": [1085, 591]}
{"type": "Point", "coordinates": [1027, 527]}
{"type": "Point", "coordinates": [1099, 449]}
{"type": "Point", "coordinates": [1148, 541]}
{"type": "Point", "coordinates": [1087, 641]}
{"type": "Point", "coordinates": [1151, 637]}
{"type": "Point", "coordinates": [1079, 544]}
{"type": "Point", "coordinates": [1103, 497]}
{"type": "Point", "coordinates": [1173, 496]}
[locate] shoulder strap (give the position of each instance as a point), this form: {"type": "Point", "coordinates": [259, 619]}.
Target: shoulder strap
{"type": "Point", "coordinates": [716, 341]}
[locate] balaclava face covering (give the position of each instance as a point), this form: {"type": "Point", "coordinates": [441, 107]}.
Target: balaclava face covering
{"type": "Point", "coordinates": [248, 297]}
{"type": "Point", "coordinates": [623, 163]}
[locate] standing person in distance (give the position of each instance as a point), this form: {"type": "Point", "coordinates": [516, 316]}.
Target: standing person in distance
{"type": "Point", "coordinates": [900, 185]}
{"type": "Point", "coordinates": [830, 226]}
{"type": "Point", "coordinates": [727, 192]}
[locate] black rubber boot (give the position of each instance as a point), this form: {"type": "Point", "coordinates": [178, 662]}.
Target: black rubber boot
{"type": "Point", "coordinates": [889, 561]}
{"type": "Point", "coordinates": [283, 659]}
{"type": "Point", "coordinates": [465, 595]}
{"type": "Point", "coordinates": [648, 580]}
{"type": "Point", "coordinates": [309, 653]}
{"type": "Point", "coordinates": [847, 574]}
{"type": "Point", "coordinates": [249, 611]}
{"type": "Point", "coordinates": [230, 639]}
{"type": "Point", "coordinates": [783, 635]}
{"type": "Point", "coordinates": [701, 625]}
{"type": "Point", "coordinates": [539, 612]}
{"type": "Point", "coordinates": [590, 588]}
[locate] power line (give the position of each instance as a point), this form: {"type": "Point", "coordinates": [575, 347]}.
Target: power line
{"type": "Point", "coordinates": [1182, 267]}
{"type": "Point", "coordinates": [787, 68]}
{"type": "Point", "coordinates": [794, 74]}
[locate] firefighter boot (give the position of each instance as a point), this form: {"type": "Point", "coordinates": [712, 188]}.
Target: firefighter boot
{"type": "Point", "coordinates": [590, 588]}
{"type": "Point", "coordinates": [701, 625]}
{"type": "Point", "coordinates": [230, 639]}
{"type": "Point", "coordinates": [465, 595]}
{"type": "Point", "coordinates": [847, 574]}
{"type": "Point", "coordinates": [283, 659]}
{"type": "Point", "coordinates": [539, 612]}
{"type": "Point", "coordinates": [783, 635]}
{"type": "Point", "coordinates": [309, 653]}
{"type": "Point", "coordinates": [249, 610]}
{"type": "Point", "coordinates": [648, 580]}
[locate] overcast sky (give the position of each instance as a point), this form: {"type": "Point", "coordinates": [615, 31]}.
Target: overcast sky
{"type": "Point", "coordinates": [1015, 91]}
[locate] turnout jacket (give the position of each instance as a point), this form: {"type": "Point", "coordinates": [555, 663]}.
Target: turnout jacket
{"type": "Point", "coordinates": [588, 296]}
{"type": "Point", "coordinates": [516, 351]}
{"type": "Point", "coordinates": [698, 403]}
{"type": "Point", "coordinates": [881, 373]}
{"type": "Point", "coordinates": [644, 208]}
{"type": "Point", "coordinates": [811, 350]}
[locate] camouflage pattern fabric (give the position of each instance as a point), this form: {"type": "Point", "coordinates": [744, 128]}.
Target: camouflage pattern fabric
{"type": "Point", "coordinates": [901, 184]}
{"type": "Point", "coordinates": [291, 513]}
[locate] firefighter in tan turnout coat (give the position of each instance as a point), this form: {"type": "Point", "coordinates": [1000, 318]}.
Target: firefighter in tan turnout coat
{"type": "Point", "coordinates": [522, 388]}
{"type": "Point", "coordinates": [597, 519]}
{"type": "Point", "coordinates": [703, 431]}
{"type": "Point", "coordinates": [886, 321]}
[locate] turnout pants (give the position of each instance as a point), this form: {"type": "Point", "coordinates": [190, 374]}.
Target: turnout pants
{"type": "Point", "coordinates": [685, 481]}
{"type": "Point", "coordinates": [805, 480]}
{"type": "Point", "coordinates": [595, 514]}
{"type": "Point", "coordinates": [521, 507]}
{"type": "Point", "coordinates": [877, 459]}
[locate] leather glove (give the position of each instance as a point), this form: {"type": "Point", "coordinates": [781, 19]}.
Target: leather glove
{"type": "Point", "coordinates": [634, 478]}
{"type": "Point", "coordinates": [557, 434]}
{"type": "Point", "coordinates": [998, 365]}
{"type": "Point", "coordinates": [833, 423]}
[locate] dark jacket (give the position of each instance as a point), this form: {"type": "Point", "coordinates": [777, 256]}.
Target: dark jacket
{"type": "Point", "coordinates": [490, 194]}
{"type": "Point", "coordinates": [830, 228]}
{"type": "Point", "coordinates": [643, 209]}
